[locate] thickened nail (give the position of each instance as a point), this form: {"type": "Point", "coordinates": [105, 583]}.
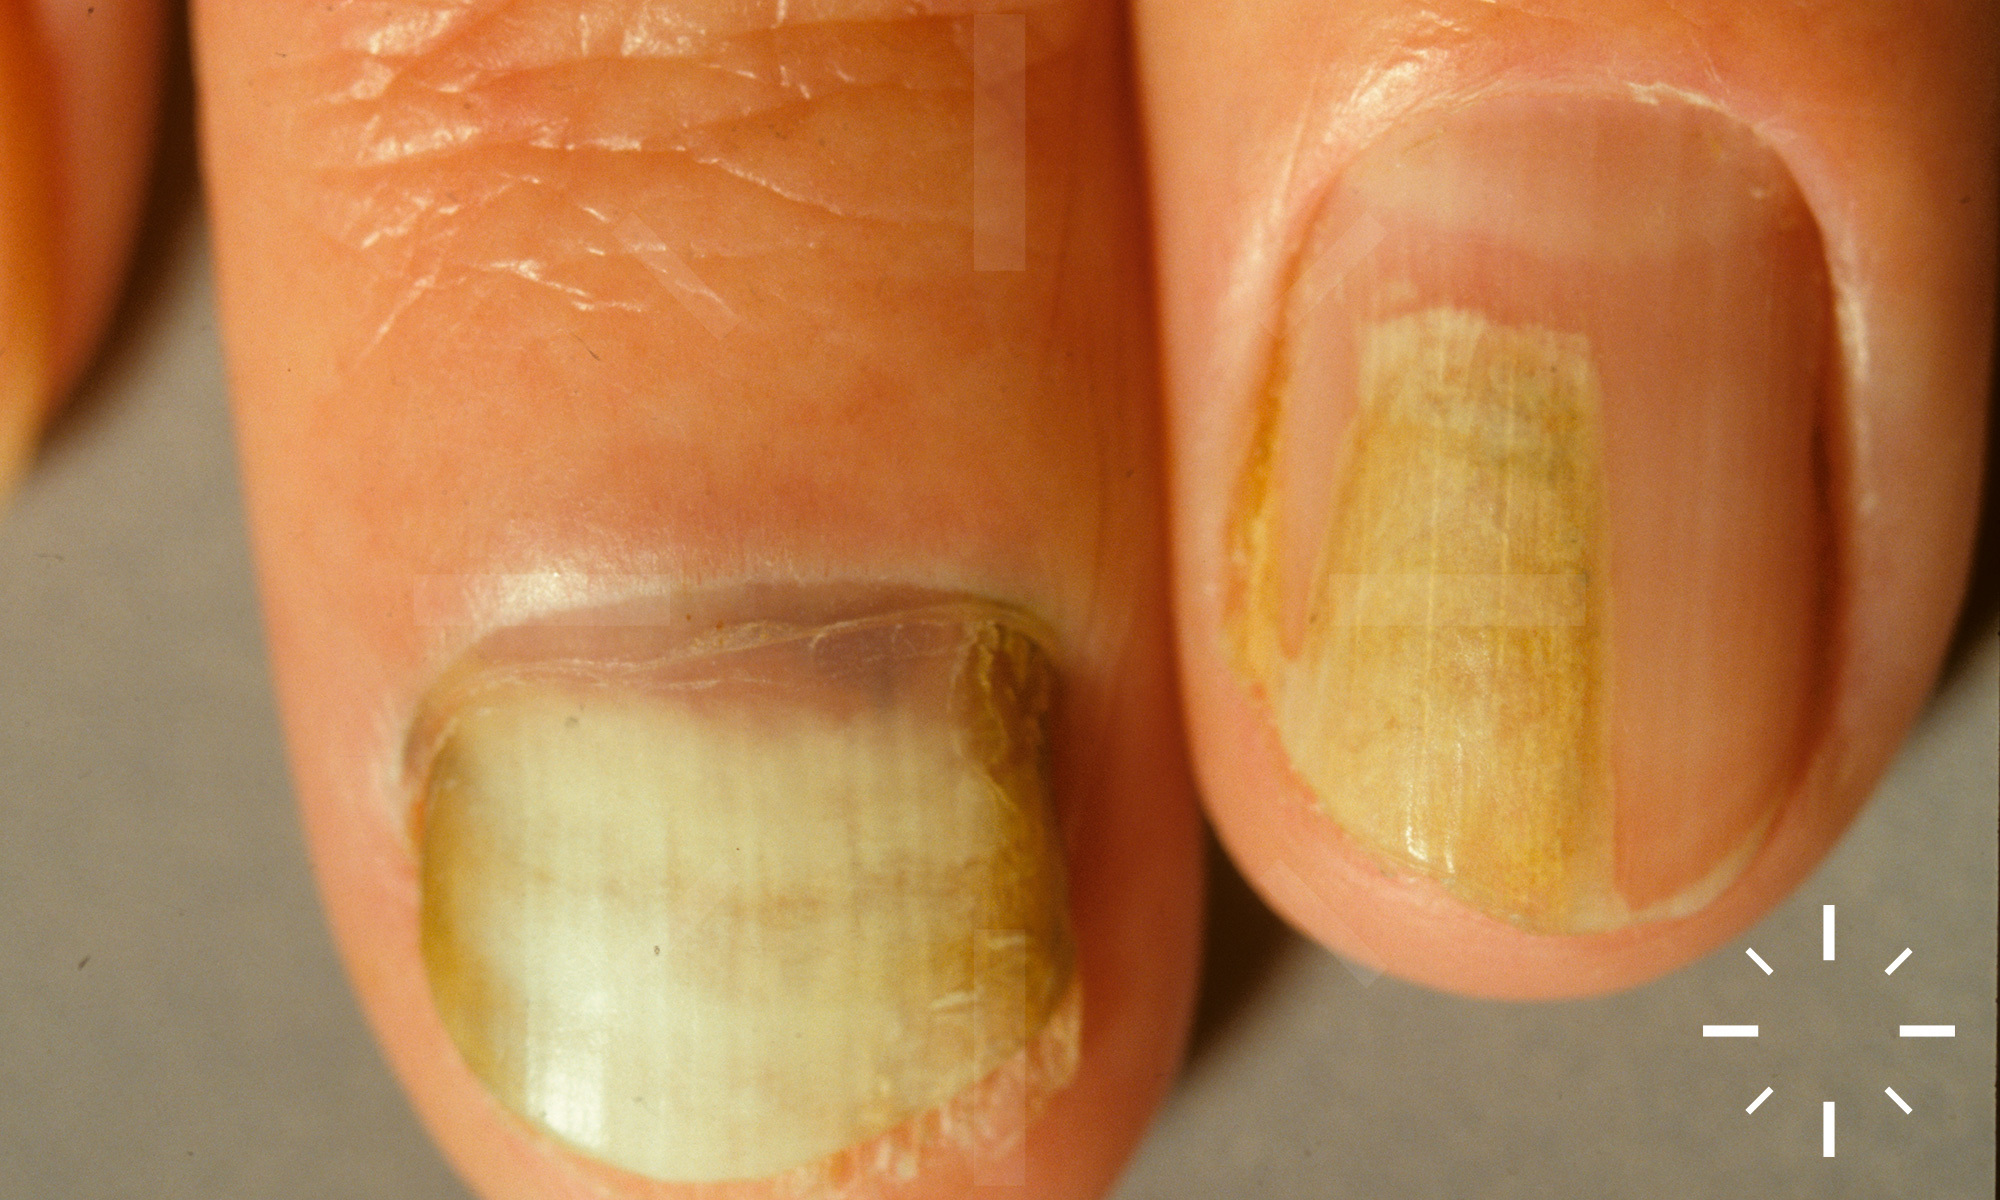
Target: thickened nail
{"type": "Point", "coordinates": [714, 899]}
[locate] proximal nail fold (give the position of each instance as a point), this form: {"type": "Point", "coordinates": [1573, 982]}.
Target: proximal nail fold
{"type": "Point", "coordinates": [715, 900]}
{"type": "Point", "coordinates": [1531, 545]}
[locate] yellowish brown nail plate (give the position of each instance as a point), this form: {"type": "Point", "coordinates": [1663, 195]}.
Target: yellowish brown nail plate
{"type": "Point", "coordinates": [715, 898]}
{"type": "Point", "coordinates": [1531, 549]}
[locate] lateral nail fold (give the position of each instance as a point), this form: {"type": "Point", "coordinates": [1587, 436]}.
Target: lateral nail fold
{"type": "Point", "coordinates": [721, 900]}
{"type": "Point", "coordinates": [1529, 548]}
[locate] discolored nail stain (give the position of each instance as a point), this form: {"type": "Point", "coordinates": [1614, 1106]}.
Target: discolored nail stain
{"type": "Point", "coordinates": [726, 905]}
{"type": "Point", "coordinates": [1444, 696]}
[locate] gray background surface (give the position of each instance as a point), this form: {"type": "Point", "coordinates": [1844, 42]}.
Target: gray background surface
{"type": "Point", "coordinates": [173, 1022]}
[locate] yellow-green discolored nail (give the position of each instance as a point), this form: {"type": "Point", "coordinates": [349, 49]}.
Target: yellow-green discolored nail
{"type": "Point", "coordinates": [712, 900]}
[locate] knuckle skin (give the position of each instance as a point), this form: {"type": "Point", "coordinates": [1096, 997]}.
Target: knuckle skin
{"type": "Point", "coordinates": [502, 147]}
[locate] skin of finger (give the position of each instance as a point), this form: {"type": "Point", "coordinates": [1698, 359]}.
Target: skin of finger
{"type": "Point", "coordinates": [103, 74]}
{"type": "Point", "coordinates": [26, 270]}
{"type": "Point", "coordinates": [425, 411]}
{"type": "Point", "coordinates": [1884, 114]}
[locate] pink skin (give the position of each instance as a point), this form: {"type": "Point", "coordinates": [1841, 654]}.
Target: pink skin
{"type": "Point", "coordinates": [914, 423]}
{"type": "Point", "coordinates": [76, 133]}
{"type": "Point", "coordinates": [1883, 111]}
{"type": "Point", "coordinates": [104, 76]}
{"type": "Point", "coordinates": [1899, 178]}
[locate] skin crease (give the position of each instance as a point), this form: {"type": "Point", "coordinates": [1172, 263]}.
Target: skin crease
{"type": "Point", "coordinates": [1899, 175]}
{"type": "Point", "coordinates": [473, 410]}
{"type": "Point", "coordinates": [1885, 113]}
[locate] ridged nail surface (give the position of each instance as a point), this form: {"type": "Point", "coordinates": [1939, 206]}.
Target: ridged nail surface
{"type": "Point", "coordinates": [1532, 543]}
{"type": "Point", "coordinates": [716, 900]}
